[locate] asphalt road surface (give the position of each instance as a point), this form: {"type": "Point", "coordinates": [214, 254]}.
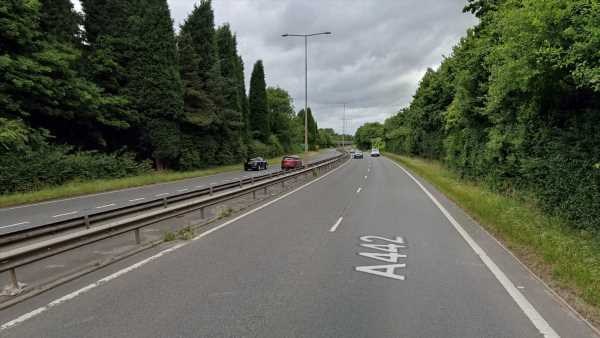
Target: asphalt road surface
{"type": "Point", "coordinates": [363, 252]}
{"type": "Point", "coordinates": [30, 216]}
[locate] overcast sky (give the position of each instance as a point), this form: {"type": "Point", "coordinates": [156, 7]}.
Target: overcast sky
{"type": "Point", "coordinates": [373, 61]}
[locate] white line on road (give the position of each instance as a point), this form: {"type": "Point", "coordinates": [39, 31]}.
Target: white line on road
{"type": "Point", "coordinates": [369, 170]}
{"type": "Point", "coordinates": [336, 225]}
{"type": "Point", "coordinates": [13, 225]}
{"type": "Point", "coordinates": [106, 206]}
{"type": "Point", "coordinates": [65, 214]}
{"type": "Point", "coordinates": [141, 263]}
{"type": "Point", "coordinates": [137, 199]}
{"type": "Point", "coordinates": [199, 186]}
{"type": "Point", "coordinates": [535, 317]}
{"type": "Point", "coordinates": [163, 194]}
{"type": "Point", "coordinates": [366, 177]}
{"type": "Point", "coordinates": [358, 190]}
{"type": "Point", "coordinates": [182, 190]}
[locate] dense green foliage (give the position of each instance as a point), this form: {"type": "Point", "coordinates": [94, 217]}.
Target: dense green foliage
{"type": "Point", "coordinates": [369, 136]}
{"type": "Point", "coordinates": [517, 105]}
{"type": "Point", "coordinates": [81, 93]}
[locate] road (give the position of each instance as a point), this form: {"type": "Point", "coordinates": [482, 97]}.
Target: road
{"type": "Point", "coordinates": [304, 266]}
{"type": "Point", "coordinates": [30, 216]}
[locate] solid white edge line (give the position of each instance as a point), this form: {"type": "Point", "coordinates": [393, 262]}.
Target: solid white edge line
{"type": "Point", "coordinates": [137, 265]}
{"type": "Point", "coordinates": [534, 316]}
{"type": "Point", "coordinates": [163, 194]}
{"type": "Point", "coordinates": [335, 226]}
{"type": "Point", "coordinates": [137, 199]}
{"type": "Point", "coordinates": [13, 225]}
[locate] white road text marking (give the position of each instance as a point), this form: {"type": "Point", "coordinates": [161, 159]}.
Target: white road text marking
{"type": "Point", "coordinates": [535, 317]}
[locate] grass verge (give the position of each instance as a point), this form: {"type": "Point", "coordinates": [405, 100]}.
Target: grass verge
{"type": "Point", "coordinates": [567, 259]}
{"type": "Point", "coordinates": [78, 188]}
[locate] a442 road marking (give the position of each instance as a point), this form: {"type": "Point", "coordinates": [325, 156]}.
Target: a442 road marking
{"type": "Point", "coordinates": [388, 252]}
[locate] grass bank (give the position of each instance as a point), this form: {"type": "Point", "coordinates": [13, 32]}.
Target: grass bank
{"type": "Point", "coordinates": [78, 188]}
{"type": "Point", "coordinates": [567, 259]}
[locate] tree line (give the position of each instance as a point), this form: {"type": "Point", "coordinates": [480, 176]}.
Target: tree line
{"type": "Point", "coordinates": [517, 105]}
{"type": "Point", "coordinates": [115, 91]}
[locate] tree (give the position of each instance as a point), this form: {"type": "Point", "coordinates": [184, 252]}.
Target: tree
{"type": "Point", "coordinates": [312, 128]}
{"type": "Point", "coordinates": [369, 134]}
{"type": "Point", "coordinates": [281, 112]}
{"type": "Point", "coordinates": [60, 21]}
{"type": "Point", "coordinates": [259, 110]}
{"type": "Point", "coordinates": [40, 80]}
{"type": "Point", "coordinates": [154, 86]}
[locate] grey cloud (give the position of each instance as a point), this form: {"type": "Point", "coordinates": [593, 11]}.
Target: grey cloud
{"type": "Point", "coordinates": [373, 61]}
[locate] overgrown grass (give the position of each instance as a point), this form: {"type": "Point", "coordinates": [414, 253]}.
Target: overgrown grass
{"type": "Point", "coordinates": [77, 188]}
{"type": "Point", "coordinates": [566, 258]}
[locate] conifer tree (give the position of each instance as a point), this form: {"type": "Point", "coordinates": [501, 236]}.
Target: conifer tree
{"type": "Point", "coordinates": [257, 100]}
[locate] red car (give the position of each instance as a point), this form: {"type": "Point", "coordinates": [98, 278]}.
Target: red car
{"type": "Point", "coordinates": [291, 162]}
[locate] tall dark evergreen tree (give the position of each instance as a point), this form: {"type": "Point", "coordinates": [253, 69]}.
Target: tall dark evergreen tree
{"type": "Point", "coordinates": [257, 100]}
{"type": "Point", "coordinates": [154, 86]}
{"type": "Point", "coordinates": [60, 20]}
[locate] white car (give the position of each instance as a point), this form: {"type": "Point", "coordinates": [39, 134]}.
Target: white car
{"type": "Point", "coordinates": [375, 152]}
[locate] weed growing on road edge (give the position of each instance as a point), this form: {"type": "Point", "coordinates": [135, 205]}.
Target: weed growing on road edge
{"type": "Point", "coordinates": [224, 211]}
{"type": "Point", "coordinates": [186, 233]}
{"type": "Point", "coordinates": [169, 236]}
{"type": "Point", "coordinates": [565, 258]}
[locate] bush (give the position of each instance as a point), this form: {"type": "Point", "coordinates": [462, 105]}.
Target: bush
{"type": "Point", "coordinates": [31, 170]}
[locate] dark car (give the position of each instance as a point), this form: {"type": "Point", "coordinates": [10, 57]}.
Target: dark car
{"type": "Point", "coordinates": [291, 162]}
{"type": "Point", "coordinates": [257, 163]}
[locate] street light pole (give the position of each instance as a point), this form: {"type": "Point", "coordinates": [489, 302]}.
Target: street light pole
{"type": "Point", "coordinates": [305, 36]}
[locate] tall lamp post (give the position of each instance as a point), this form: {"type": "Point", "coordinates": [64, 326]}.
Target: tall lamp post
{"type": "Point", "coordinates": [305, 36]}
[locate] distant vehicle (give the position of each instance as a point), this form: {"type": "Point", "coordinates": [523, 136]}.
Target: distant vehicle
{"type": "Point", "coordinates": [291, 162]}
{"type": "Point", "coordinates": [357, 154]}
{"type": "Point", "coordinates": [375, 152]}
{"type": "Point", "coordinates": [257, 163]}
{"type": "Point", "coordinates": [352, 151]}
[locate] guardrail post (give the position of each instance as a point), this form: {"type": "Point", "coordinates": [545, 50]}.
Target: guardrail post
{"type": "Point", "coordinates": [138, 236]}
{"type": "Point", "coordinates": [265, 190]}
{"type": "Point", "coordinates": [253, 194]}
{"type": "Point", "coordinates": [202, 212]}
{"type": "Point", "coordinates": [210, 187]}
{"type": "Point", "coordinates": [86, 219]}
{"type": "Point", "coordinates": [164, 202]}
{"type": "Point", "coordinates": [282, 184]}
{"type": "Point", "coordinates": [241, 182]}
{"type": "Point", "coordinates": [252, 179]}
{"type": "Point", "coordinates": [13, 278]}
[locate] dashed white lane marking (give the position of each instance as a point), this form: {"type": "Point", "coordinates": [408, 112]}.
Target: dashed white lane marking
{"type": "Point", "coordinates": [336, 225]}
{"type": "Point", "coordinates": [65, 214]}
{"type": "Point", "coordinates": [137, 199]}
{"type": "Point", "coordinates": [13, 225]}
{"type": "Point", "coordinates": [358, 190]}
{"type": "Point", "coordinates": [182, 190]}
{"type": "Point", "coordinates": [366, 177]}
{"type": "Point", "coordinates": [139, 264]}
{"type": "Point", "coordinates": [369, 170]}
{"type": "Point", "coordinates": [105, 206]}
{"type": "Point", "coordinates": [163, 194]}
{"type": "Point", "coordinates": [535, 317]}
